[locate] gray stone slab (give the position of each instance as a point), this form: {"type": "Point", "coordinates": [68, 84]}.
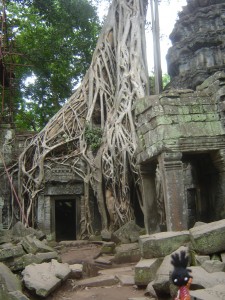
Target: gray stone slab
{"type": "Point", "coordinates": [162, 243]}
{"type": "Point", "coordinates": [101, 280]}
{"type": "Point", "coordinates": [46, 277]}
{"type": "Point", "coordinates": [209, 238]}
{"type": "Point", "coordinates": [212, 266]}
{"type": "Point", "coordinates": [125, 279]}
{"type": "Point", "coordinates": [145, 270]}
{"type": "Point", "coordinates": [214, 293]}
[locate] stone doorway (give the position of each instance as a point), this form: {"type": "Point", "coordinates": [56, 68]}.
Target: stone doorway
{"type": "Point", "coordinates": [65, 219]}
{"type": "Point", "coordinates": [201, 180]}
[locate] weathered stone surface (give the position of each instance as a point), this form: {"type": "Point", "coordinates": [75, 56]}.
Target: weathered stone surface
{"type": "Point", "coordinates": [145, 271]}
{"type": "Point", "coordinates": [212, 266]}
{"type": "Point", "coordinates": [11, 251]}
{"type": "Point", "coordinates": [128, 270]}
{"type": "Point", "coordinates": [5, 236]}
{"type": "Point", "coordinates": [200, 259]}
{"type": "Point", "coordinates": [101, 280]}
{"type": "Point", "coordinates": [32, 245]}
{"type": "Point", "coordinates": [203, 279]}
{"type": "Point", "coordinates": [125, 279]}
{"type": "Point", "coordinates": [106, 235]}
{"type": "Point", "coordinates": [127, 253]}
{"type": "Point", "coordinates": [10, 285]}
{"type": "Point", "coordinates": [46, 277]}
{"type": "Point", "coordinates": [150, 290]}
{"type": "Point", "coordinates": [108, 247]}
{"type": "Point", "coordinates": [76, 271]}
{"type": "Point", "coordinates": [16, 295]}
{"type": "Point", "coordinates": [162, 244]}
{"type": "Point", "coordinates": [215, 293]}
{"type": "Point", "coordinates": [223, 257]}
{"type": "Point", "coordinates": [105, 260]}
{"type": "Point", "coordinates": [209, 238]}
{"type": "Point", "coordinates": [197, 43]}
{"type": "Point", "coordinates": [129, 233]}
{"type": "Point", "coordinates": [20, 263]}
{"type": "Point", "coordinates": [161, 284]}
{"type": "Point", "coordinates": [47, 256]}
{"type": "Point", "coordinates": [19, 230]}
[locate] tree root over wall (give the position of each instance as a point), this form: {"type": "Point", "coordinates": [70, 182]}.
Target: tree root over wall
{"type": "Point", "coordinates": [94, 132]}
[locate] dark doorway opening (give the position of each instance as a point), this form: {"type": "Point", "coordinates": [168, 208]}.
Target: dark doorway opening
{"type": "Point", "coordinates": [65, 220]}
{"type": "Point", "coordinates": [201, 183]}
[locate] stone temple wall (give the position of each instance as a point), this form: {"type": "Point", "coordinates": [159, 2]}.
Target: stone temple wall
{"type": "Point", "coordinates": [182, 155]}
{"type": "Point", "coordinates": [198, 43]}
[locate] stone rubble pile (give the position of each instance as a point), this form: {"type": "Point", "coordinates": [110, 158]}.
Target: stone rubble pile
{"type": "Point", "coordinates": [26, 260]}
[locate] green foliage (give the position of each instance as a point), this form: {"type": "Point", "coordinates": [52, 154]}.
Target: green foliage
{"type": "Point", "coordinates": [93, 136]}
{"type": "Point", "coordinates": [165, 81]}
{"type": "Point", "coordinates": [57, 39]}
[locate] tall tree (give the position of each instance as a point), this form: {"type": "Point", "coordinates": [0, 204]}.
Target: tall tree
{"type": "Point", "coordinates": [156, 45]}
{"type": "Point", "coordinates": [96, 125]}
{"type": "Point", "coordinates": [57, 39]}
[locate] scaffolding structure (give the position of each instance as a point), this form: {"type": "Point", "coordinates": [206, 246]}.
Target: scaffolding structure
{"type": "Point", "coordinates": [7, 65]}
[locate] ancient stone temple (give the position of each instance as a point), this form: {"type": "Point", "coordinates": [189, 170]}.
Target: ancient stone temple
{"type": "Point", "coordinates": [181, 132]}
{"type": "Point", "coordinates": [181, 142]}
{"type": "Point", "coordinates": [181, 155]}
{"type": "Point", "coordinates": [198, 43]}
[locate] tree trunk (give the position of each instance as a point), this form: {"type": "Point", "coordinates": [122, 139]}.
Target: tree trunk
{"type": "Point", "coordinates": [116, 79]}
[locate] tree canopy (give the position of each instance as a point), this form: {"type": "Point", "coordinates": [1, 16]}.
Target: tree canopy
{"type": "Point", "coordinates": [56, 39]}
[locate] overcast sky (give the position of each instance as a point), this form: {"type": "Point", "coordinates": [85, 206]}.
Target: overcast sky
{"type": "Point", "coordinates": [168, 14]}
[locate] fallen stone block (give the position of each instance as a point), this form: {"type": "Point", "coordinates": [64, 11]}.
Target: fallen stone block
{"type": "Point", "coordinates": [200, 259]}
{"type": "Point", "coordinates": [20, 263]}
{"type": "Point", "coordinates": [145, 271]}
{"type": "Point", "coordinates": [125, 279]}
{"type": "Point", "coordinates": [162, 243]}
{"type": "Point", "coordinates": [5, 236]}
{"type": "Point", "coordinates": [128, 233]}
{"type": "Point", "coordinates": [32, 245]}
{"type": "Point", "coordinates": [10, 285]}
{"type": "Point", "coordinates": [208, 238]}
{"type": "Point", "coordinates": [212, 266]}
{"type": "Point", "coordinates": [114, 271]}
{"type": "Point", "coordinates": [202, 279]}
{"type": "Point", "coordinates": [127, 253]}
{"type": "Point", "coordinates": [17, 295]}
{"type": "Point", "coordinates": [19, 230]}
{"type": "Point", "coordinates": [104, 260]}
{"type": "Point", "coordinates": [108, 248]}
{"type": "Point", "coordinates": [11, 251]}
{"type": "Point", "coordinates": [76, 271]}
{"type": "Point", "coordinates": [46, 277]}
{"type": "Point", "coordinates": [102, 280]}
{"type": "Point", "coordinates": [162, 283]}
{"type": "Point", "coordinates": [47, 256]}
{"type": "Point", "coordinates": [215, 293]}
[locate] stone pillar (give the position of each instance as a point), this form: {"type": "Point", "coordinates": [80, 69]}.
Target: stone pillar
{"type": "Point", "coordinates": [1, 207]}
{"type": "Point", "coordinates": [44, 217]}
{"type": "Point", "coordinates": [149, 197]}
{"type": "Point", "coordinates": [171, 168]}
{"type": "Point", "coordinates": [219, 162]}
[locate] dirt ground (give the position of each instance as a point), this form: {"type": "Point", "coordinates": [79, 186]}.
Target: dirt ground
{"type": "Point", "coordinates": [85, 254]}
